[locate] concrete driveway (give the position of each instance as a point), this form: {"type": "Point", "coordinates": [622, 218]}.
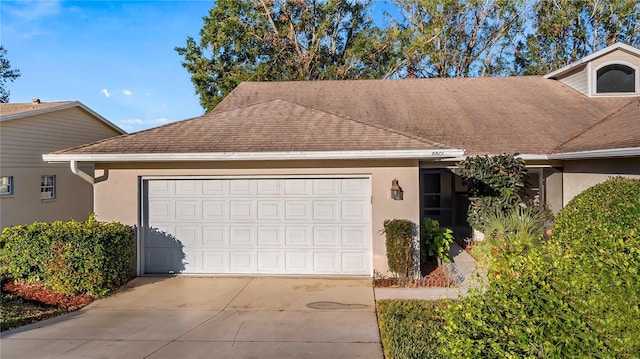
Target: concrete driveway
{"type": "Point", "coordinates": [187, 317]}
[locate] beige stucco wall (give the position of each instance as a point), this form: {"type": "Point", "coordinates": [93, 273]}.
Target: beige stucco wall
{"type": "Point", "coordinates": [74, 197]}
{"type": "Point", "coordinates": [118, 198]}
{"type": "Point", "coordinates": [22, 143]}
{"type": "Point", "coordinates": [580, 175]}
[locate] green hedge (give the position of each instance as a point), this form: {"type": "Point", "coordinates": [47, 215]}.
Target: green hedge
{"type": "Point", "coordinates": [91, 257]}
{"type": "Point", "coordinates": [399, 241]}
{"type": "Point", "coordinates": [575, 296]}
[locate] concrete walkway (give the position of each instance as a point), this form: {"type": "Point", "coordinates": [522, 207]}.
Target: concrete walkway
{"type": "Point", "coordinates": [187, 317]}
{"type": "Point", "coordinates": [462, 267]}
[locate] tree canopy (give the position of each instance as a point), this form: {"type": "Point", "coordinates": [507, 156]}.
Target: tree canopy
{"type": "Point", "coordinates": [284, 40]}
{"type": "Point", "coordinates": [278, 40]}
{"type": "Point", "coordinates": [6, 73]}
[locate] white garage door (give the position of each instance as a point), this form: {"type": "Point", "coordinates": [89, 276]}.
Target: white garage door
{"type": "Point", "coordinates": [258, 226]}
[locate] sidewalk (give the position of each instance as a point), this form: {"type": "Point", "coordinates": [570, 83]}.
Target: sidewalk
{"type": "Point", "coordinates": [462, 268]}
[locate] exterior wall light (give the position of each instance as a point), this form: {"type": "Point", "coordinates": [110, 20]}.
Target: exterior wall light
{"type": "Point", "coordinates": [396, 191]}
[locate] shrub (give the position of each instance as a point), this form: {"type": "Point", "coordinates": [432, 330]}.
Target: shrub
{"type": "Point", "coordinates": [494, 183]}
{"type": "Point", "coordinates": [435, 242]}
{"type": "Point", "coordinates": [73, 257]}
{"type": "Point", "coordinates": [399, 241]}
{"type": "Point", "coordinates": [577, 295]}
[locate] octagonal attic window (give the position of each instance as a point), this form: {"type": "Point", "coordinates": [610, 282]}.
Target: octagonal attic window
{"type": "Point", "coordinates": [616, 78]}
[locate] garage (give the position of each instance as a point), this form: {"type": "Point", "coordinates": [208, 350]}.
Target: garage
{"type": "Point", "coordinates": [272, 226]}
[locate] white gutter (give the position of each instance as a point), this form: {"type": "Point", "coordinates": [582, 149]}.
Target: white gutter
{"type": "Point", "coordinates": [526, 157]}
{"type": "Point", "coordinates": [255, 156]}
{"type": "Point", "coordinates": [616, 152]}
{"type": "Point", "coordinates": [76, 171]}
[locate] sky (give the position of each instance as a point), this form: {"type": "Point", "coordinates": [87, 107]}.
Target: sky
{"type": "Point", "coordinates": [116, 57]}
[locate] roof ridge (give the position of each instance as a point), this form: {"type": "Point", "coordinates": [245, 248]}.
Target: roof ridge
{"type": "Point", "coordinates": [601, 121]}
{"type": "Point", "coordinates": [380, 127]}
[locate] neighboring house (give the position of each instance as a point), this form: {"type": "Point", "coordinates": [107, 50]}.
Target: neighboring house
{"type": "Point", "coordinates": [296, 177]}
{"type": "Point", "coordinates": [30, 189]}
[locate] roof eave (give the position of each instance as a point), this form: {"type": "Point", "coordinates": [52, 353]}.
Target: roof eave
{"type": "Point", "coordinates": [595, 154]}
{"type": "Point", "coordinates": [16, 116]}
{"type": "Point", "coordinates": [584, 60]}
{"type": "Point", "coordinates": [255, 156]}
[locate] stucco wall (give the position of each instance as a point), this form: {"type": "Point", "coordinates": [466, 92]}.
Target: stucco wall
{"type": "Point", "coordinates": [74, 197]}
{"type": "Point", "coordinates": [580, 175]}
{"type": "Point", "coordinates": [118, 198]}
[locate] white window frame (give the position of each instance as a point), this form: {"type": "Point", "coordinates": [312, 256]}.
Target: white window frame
{"type": "Point", "coordinates": [47, 185]}
{"type": "Point", "coordinates": [8, 184]}
{"type": "Point", "coordinates": [594, 80]}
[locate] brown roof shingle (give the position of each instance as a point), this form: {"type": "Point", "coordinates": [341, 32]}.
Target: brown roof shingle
{"type": "Point", "coordinates": [527, 114]}
{"type": "Point", "coordinates": [274, 125]}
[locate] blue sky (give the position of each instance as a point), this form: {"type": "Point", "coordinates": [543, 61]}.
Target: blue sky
{"type": "Point", "coordinates": [116, 57]}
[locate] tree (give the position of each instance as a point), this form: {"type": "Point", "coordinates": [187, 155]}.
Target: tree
{"type": "Point", "coordinates": [280, 40]}
{"type": "Point", "coordinates": [456, 38]}
{"type": "Point", "coordinates": [6, 73]}
{"type": "Point", "coordinates": [566, 30]}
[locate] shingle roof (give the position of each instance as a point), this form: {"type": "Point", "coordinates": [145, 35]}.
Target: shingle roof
{"type": "Point", "coordinates": [528, 114]}
{"type": "Point", "coordinates": [7, 109]}
{"type": "Point", "coordinates": [620, 130]}
{"type": "Point", "coordinates": [272, 125]}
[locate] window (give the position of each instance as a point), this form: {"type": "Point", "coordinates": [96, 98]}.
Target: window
{"type": "Point", "coordinates": [616, 78]}
{"type": "Point", "coordinates": [47, 187]}
{"type": "Point", "coordinates": [6, 185]}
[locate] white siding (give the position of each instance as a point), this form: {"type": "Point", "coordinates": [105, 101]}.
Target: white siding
{"type": "Point", "coordinates": [577, 80]}
{"type": "Point", "coordinates": [618, 55]}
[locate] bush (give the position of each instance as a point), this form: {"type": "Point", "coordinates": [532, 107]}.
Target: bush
{"type": "Point", "coordinates": [435, 242]}
{"type": "Point", "coordinates": [576, 296]}
{"type": "Point", "coordinates": [408, 328]}
{"type": "Point", "coordinates": [400, 249]}
{"type": "Point", "coordinates": [73, 257]}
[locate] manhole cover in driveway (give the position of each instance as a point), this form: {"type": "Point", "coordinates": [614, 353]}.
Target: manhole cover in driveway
{"type": "Point", "coordinates": [335, 305]}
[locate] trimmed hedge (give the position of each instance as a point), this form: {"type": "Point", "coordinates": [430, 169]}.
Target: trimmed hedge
{"type": "Point", "coordinates": [574, 296]}
{"type": "Point", "coordinates": [399, 241]}
{"type": "Point", "coordinates": [91, 257]}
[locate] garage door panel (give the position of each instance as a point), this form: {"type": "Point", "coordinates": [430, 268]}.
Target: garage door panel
{"type": "Point", "coordinates": [188, 210]}
{"type": "Point", "coordinates": [270, 236]}
{"type": "Point", "coordinates": [242, 236]}
{"type": "Point", "coordinates": [298, 210]}
{"type": "Point", "coordinates": [242, 187]}
{"type": "Point", "coordinates": [243, 262]}
{"type": "Point", "coordinates": [188, 188]}
{"type": "Point", "coordinates": [271, 262]}
{"type": "Point", "coordinates": [298, 262]}
{"type": "Point", "coordinates": [214, 210]}
{"type": "Point", "coordinates": [270, 210]}
{"type": "Point", "coordinates": [215, 261]}
{"type": "Point", "coordinates": [326, 236]}
{"type": "Point", "coordinates": [267, 226]}
{"type": "Point", "coordinates": [214, 236]}
{"type": "Point", "coordinates": [297, 237]}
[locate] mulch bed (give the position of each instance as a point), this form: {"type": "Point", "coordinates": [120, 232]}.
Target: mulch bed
{"type": "Point", "coordinates": [38, 293]}
{"type": "Point", "coordinates": [435, 279]}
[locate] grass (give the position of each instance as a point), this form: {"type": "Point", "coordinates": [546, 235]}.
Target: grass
{"type": "Point", "coordinates": [15, 312]}
{"type": "Point", "coordinates": [408, 328]}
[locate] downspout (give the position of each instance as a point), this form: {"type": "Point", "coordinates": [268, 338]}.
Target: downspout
{"type": "Point", "coordinates": [76, 171]}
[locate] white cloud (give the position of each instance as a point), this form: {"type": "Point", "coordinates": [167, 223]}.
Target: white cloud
{"type": "Point", "coordinates": [34, 9]}
{"type": "Point", "coordinates": [105, 92]}
{"type": "Point", "coordinates": [127, 92]}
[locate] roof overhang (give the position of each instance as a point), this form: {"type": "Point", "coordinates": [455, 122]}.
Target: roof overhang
{"type": "Point", "coordinates": [586, 59]}
{"type": "Point", "coordinates": [594, 154]}
{"type": "Point", "coordinates": [65, 106]}
{"type": "Point", "coordinates": [256, 156]}
{"type": "Point", "coordinates": [526, 157]}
